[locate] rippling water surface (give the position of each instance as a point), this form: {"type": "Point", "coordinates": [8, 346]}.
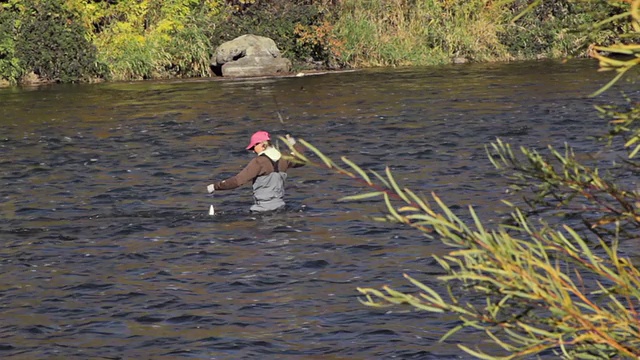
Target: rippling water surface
{"type": "Point", "coordinates": [108, 251]}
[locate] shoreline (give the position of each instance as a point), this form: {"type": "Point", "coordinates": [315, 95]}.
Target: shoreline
{"type": "Point", "coordinates": [34, 81]}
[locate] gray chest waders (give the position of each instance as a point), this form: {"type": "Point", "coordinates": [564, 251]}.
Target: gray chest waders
{"type": "Point", "coordinates": [268, 190]}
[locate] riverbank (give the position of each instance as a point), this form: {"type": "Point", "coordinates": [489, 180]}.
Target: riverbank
{"type": "Point", "coordinates": [70, 41]}
{"type": "Point", "coordinates": [34, 80]}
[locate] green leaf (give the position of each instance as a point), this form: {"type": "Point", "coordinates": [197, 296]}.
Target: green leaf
{"type": "Point", "coordinates": [395, 186]}
{"type": "Point", "coordinates": [612, 18]}
{"type": "Point", "coordinates": [583, 246]}
{"type": "Point", "coordinates": [382, 179]}
{"type": "Point", "coordinates": [392, 210]}
{"type": "Point", "coordinates": [484, 356]}
{"type": "Point", "coordinates": [610, 83]}
{"type": "Point", "coordinates": [358, 169]}
{"type": "Point", "coordinates": [527, 10]}
{"type": "Point", "coordinates": [322, 157]}
{"type": "Point", "coordinates": [362, 196]}
{"type": "Point", "coordinates": [539, 331]}
{"type": "Point", "coordinates": [451, 332]}
{"type": "Point", "coordinates": [476, 220]}
{"type": "Point", "coordinates": [423, 204]}
{"type": "Point", "coordinates": [436, 297]}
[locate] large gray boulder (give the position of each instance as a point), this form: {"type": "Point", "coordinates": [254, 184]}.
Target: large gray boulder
{"type": "Point", "coordinates": [248, 56]}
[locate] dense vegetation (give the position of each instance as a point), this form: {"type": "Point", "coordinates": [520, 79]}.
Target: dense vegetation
{"type": "Point", "coordinates": [551, 280]}
{"type": "Point", "coordinates": [86, 40]}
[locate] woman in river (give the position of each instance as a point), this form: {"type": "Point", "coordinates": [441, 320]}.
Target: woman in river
{"type": "Point", "coordinates": [267, 171]}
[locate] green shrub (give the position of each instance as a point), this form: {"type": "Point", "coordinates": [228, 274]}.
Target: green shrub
{"type": "Point", "coordinates": [132, 58]}
{"type": "Point", "coordinates": [146, 39]}
{"type": "Point", "coordinates": [189, 51]}
{"type": "Point", "coordinates": [52, 44]}
{"type": "Point", "coordinates": [10, 66]}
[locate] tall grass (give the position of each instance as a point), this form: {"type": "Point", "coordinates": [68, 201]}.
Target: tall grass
{"type": "Point", "coordinates": [561, 28]}
{"type": "Point", "coordinates": [131, 59]}
{"type": "Point", "coordinates": [185, 53]}
{"type": "Point", "coordinates": [409, 32]}
{"type": "Point", "coordinates": [189, 51]}
{"type": "Point", "coordinates": [151, 40]}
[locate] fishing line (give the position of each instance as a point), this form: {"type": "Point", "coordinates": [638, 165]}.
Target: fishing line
{"type": "Point", "coordinates": [278, 109]}
{"type": "Point", "coordinates": [282, 128]}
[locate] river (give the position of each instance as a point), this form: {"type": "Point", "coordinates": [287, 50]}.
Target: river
{"type": "Point", "coordinates": [109, 253]}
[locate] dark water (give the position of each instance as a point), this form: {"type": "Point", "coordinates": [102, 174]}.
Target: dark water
{"type": "Point", "coordinates": [108, 251]}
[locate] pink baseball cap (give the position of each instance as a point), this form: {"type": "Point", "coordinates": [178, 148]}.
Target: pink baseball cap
{"type": "Point", "coordinates": [257, 138]}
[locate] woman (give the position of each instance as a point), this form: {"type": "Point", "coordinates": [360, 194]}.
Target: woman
{"type": "Point", "coordinates": [267, 171]}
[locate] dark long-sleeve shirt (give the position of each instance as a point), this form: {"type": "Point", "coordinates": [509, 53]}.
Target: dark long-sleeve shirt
{"type": "Point", "coordinates": [258, 166]}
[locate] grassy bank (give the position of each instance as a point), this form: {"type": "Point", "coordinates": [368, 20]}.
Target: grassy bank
{"type": "Point", "coordinates": [80, 40]}
{"type": "Point", "coordinates": [400, 32]}
{"type": "Point", "coordinates": [406, 32]}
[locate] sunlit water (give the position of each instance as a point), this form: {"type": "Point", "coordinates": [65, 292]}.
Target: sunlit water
{"type": "Point", "coordinates": [108, 251]}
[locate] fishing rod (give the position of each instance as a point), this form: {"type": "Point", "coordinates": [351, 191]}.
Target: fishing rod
{"type": "Point", "coordinates": [286, 132]}
{"type": "Point", "coordinates": [278, 109]}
